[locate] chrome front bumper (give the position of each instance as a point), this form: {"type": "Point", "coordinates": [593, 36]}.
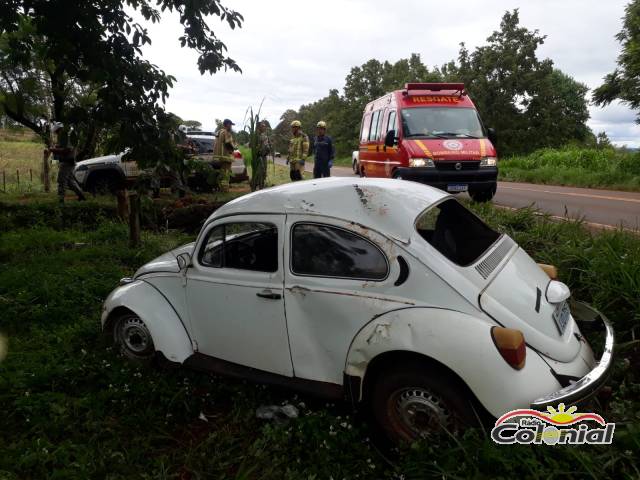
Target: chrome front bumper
{"type": "Point", "coordinates": [588, 385]}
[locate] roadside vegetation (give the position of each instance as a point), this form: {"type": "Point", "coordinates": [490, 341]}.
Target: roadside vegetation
{"type": "Point", "coordinates": [609, 168]}
{"type": "Point", "coordinates": [75, 409]}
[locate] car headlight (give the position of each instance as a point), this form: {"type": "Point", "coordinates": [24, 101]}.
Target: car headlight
{"type": "Point", "coordinates": [421, 162]}
{"type": "Point", "coordinates": [488, 162]}
{"type": "Point", "coordinates": [82, 168]}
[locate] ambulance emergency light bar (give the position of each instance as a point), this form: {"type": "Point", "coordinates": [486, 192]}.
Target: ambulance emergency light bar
{"type": "Point", "coordinates": [434, 87]}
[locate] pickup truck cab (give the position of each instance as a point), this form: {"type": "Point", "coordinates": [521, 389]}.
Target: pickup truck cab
{"type": "Point", "coordinates": [429, 133]}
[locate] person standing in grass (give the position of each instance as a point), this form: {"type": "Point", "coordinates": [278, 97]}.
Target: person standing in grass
{"type": "Point", "coordinates": [298, 151]}
{"type": "Point", "coordinates": [323, 152]}
{"type": "Point", "coordinates": [64, 151]}
{"type": "Point", "coordinates": [223, 152]}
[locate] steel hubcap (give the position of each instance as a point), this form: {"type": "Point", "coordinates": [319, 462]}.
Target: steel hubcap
{"type": "Point", "coordinates": [135, 335]}
{"type": "Point", "coordinates": [421, 411]}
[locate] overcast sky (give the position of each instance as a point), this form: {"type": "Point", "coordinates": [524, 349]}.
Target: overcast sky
{"type": "Point", "coordinates": [292, 53]}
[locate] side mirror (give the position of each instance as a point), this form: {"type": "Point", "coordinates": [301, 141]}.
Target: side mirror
{"type": "Point", "coordinates": [390, 139]}
{"type": "Point", "coordinates": [184, 261]}
{"type": "Point", "coordinates": [491, 134]}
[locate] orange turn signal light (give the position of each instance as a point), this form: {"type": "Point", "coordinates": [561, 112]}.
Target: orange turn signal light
{"type": "Point", "coordinates": [550, 270]}
{"type": "Point", "coordinates": [511, 345]}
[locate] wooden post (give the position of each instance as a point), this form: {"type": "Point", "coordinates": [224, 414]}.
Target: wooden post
{"type": "Point", "coordinates": [31, 175]}
{"type": "Point", "coordinates": [134, 220]}
{"type": "Point", "coordinates": [46, 176]}
{"type": "Point", "coordinates": [123, 205]}
{"type": "Point", "coordinates": [4, 181]}
{"type": "Point", "coordinates": [18, 177]}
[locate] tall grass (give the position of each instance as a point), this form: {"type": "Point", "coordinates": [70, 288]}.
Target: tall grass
{"type": "Point", "coordinates": [574, 166]}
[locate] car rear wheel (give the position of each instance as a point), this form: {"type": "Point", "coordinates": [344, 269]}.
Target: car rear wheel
{"type": "Point", "coordinates": [133, 338]}
{"type": "Point", "coordinates": [481, 196]}
{"type": "Point", "coordinates": [420, 401]}
{"type": "Point", "coordinates": [103, 184]}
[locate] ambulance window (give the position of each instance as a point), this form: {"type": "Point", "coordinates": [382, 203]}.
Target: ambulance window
{"type": "Point", "coordinates": [373, 132]}
{"type": "Point", "coordinates": [391, 124]}
{"type": "Point", "coordinates": [366, 122]}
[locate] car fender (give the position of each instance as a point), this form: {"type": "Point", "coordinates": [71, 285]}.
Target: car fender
{"type": "Point", "coordinates": [167, 329]}
{"type": "Point", "coordinates": [460, 342]}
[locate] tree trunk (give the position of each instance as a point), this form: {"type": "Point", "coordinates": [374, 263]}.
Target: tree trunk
{"type": "Point", "coordinates": [134, 220]}
{"type": "Point", "coordinates": [46, 175]}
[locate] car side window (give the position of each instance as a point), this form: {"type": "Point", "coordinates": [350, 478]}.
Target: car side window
{"type": "Point", "coordinates": [373, 132]}
{"type": "Point", "coordinates": [327, 251]}
{"type": "Point", "coordinates": [243, 246]}
{"type": "Point", "coordinates": [391, 124]}
{"type": "Point", "coordinates": [366, 123]}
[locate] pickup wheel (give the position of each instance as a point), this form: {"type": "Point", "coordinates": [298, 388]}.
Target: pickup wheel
{"type": "Point", "coordinates": [132, 337]}
{"type": "Point", "coordinates": [104, 183]}
{"type": "Point", "coordinates": [482, 196]}
{"type": "Point", "coordinates": [420, 401]}
{"type": "Point", "coordinates": [354, 166]}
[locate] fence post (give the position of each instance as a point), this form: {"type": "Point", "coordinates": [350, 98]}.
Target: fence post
{"type": "Point", "coordinates": [4, 181]}
{"type": "Point", "coordinates": [46, 177]}
{"type": "Point", "coordinates": [123, 204]}
{"type": "Point", "coordinates": [134, 220]}
{"type": "Point", "coordinates": [18, 177]}
{"type": "Point", "coordinates": [31, 175]}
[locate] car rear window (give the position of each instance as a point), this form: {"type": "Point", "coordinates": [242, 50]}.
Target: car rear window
{"type": "Point", "coordinates": [456, 232]}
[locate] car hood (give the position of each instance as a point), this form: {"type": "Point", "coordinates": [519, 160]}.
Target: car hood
{"type": "Point", "coordinates": [516, 297]}
{"type": "Point", "coordinates": [101, 160]}
{"type": "Point", "coordinates": [450, 148]}
{"type": "Point", "coordinates": [165, 263]}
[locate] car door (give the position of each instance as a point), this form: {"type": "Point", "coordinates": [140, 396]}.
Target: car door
{"type": "Point", "coordinates": [339, 277]}
{"type": "Point", "coordinates": [235, 293]}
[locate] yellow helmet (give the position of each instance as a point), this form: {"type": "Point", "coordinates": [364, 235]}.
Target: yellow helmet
{"type": "Point", "coordinates": [321, 124]}
{"type": "Point", "coordinates": [296, 123]}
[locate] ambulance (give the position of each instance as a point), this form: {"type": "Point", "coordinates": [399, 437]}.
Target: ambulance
{"type": "Point", "coordinates": [429, 133]}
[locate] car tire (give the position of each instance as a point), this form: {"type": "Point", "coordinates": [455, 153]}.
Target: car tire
{"type": "Point", "coordinates": [103, 184]}
{"type": "Point", "coordinates": [132, 337]}
{"type": "Point", "coordinates": [482, 196]}
{"type": "Point", "coordinates": [420, 401]}
{"type": "Point", "coordinates": [396, 175]}
{"type": "Point", "coordinates": [354, 166]}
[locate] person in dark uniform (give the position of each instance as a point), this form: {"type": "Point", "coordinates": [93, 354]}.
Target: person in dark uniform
{"type": "Point", "coordinates": [323, 152]}
{"type": "Point", "coordinates": [64, 151]}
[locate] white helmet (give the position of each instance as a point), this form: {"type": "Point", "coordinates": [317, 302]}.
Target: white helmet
{"type": "Point", "coordinates": [55, 126]}
{"type": "Point", "coordinates": [183, 128]}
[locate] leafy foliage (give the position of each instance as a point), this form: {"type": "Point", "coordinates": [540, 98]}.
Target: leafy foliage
{"type": "Point", "coordinates": [529, 102]}
{"type": "Point", "coordinates": [81, 63]}
{"type": "Point", "coordinates": [623, 82]}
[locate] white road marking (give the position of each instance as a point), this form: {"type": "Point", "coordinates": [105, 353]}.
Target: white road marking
{"type": "Point", "coordinates": [573, 194]}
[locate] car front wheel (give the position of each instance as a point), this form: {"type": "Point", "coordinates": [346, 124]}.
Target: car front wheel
{"type": "Point", "coordinates": [482, 196]}
{"type": "Point", "coordinates": [420, 401]}
{"type": "Point", "coordinates": [133, 338]}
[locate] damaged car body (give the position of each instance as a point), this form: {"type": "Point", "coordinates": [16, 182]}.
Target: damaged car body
{"type": "Point", "coordinates": [390, 294]}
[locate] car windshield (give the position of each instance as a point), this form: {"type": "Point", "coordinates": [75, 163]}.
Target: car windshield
{"type": "Point", "coordinates": [456, 232]}
{"type": "Point", "coordinates": [442, 122]}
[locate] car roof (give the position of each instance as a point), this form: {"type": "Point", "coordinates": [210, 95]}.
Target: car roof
{"type": "Point", "coordinates": [386, 205]}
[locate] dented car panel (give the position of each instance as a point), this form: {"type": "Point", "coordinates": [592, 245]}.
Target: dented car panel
{"type": "Point", "coordinates": [313, 281]}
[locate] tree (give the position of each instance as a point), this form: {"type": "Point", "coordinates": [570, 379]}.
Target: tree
{"type": "Point", "coordinates": [81, 63]}
{"type": "Point", "coordinates": [624, 82]}
{"type": "Point", "coordinates": [193, 124]}
{"type": "Point", "coordinates": [282, 132]}
{"type": "Point", "coordinates": [531, 104]}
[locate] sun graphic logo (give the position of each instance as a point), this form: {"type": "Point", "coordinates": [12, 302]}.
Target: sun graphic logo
{"type": "Point", "coordinates": [452, 145]}
{"type": "Point", "coordinates": [564, 426]}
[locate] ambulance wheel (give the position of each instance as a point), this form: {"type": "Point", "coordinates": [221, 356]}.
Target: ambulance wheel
{"type": "Point", "coordinates": [397, 175]}
{"type": "Point", "coordinates": [362, 173]}
{"type": "Point", "coordinates": [482, 196]}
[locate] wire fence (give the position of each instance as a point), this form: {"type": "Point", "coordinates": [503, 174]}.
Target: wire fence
{"type": "Point", "coordinates": [25, 180]}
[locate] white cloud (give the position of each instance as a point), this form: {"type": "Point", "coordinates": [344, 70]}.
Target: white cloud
{"type": "Point", "coordinates": [294, 52]}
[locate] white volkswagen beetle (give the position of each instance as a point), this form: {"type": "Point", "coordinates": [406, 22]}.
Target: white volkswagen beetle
{"type": "Point", "coordinates": [379, 291]}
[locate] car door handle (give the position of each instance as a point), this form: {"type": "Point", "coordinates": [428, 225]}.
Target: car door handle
{"type": "Point", "coordinates": [269, 294]}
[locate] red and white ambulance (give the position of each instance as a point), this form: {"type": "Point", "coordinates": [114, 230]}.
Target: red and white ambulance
{"type": "Point", "coordinates": [429, 133]}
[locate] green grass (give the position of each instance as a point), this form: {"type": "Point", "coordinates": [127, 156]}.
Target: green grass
{"type": "Point", "coordinates": [72, 408]}
{"type": "Point", "coordinates": [573, 166]}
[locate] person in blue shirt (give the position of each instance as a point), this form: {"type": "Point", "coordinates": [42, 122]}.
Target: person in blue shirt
{"type": "Point", "coordinates": [323, 152]}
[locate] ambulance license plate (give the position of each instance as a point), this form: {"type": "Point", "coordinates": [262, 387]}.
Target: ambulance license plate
{"type": "Point", "coordinates": [457, 187]}
{"type": "Point", "coordinates": [561, 316]}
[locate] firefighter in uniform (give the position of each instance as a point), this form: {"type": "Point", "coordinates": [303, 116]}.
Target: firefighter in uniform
{"type": "Point", "coordinates": [298, 151]}
{"type": "Point", "coordinates": [223, 152]}
{"type": "Point", "coordinates": [323, 152]}
{"type": "Point", "coordinates": [64, 151]}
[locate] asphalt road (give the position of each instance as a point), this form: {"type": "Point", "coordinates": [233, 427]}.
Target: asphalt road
{"type": "Point", "coordinates": [600, 208]}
